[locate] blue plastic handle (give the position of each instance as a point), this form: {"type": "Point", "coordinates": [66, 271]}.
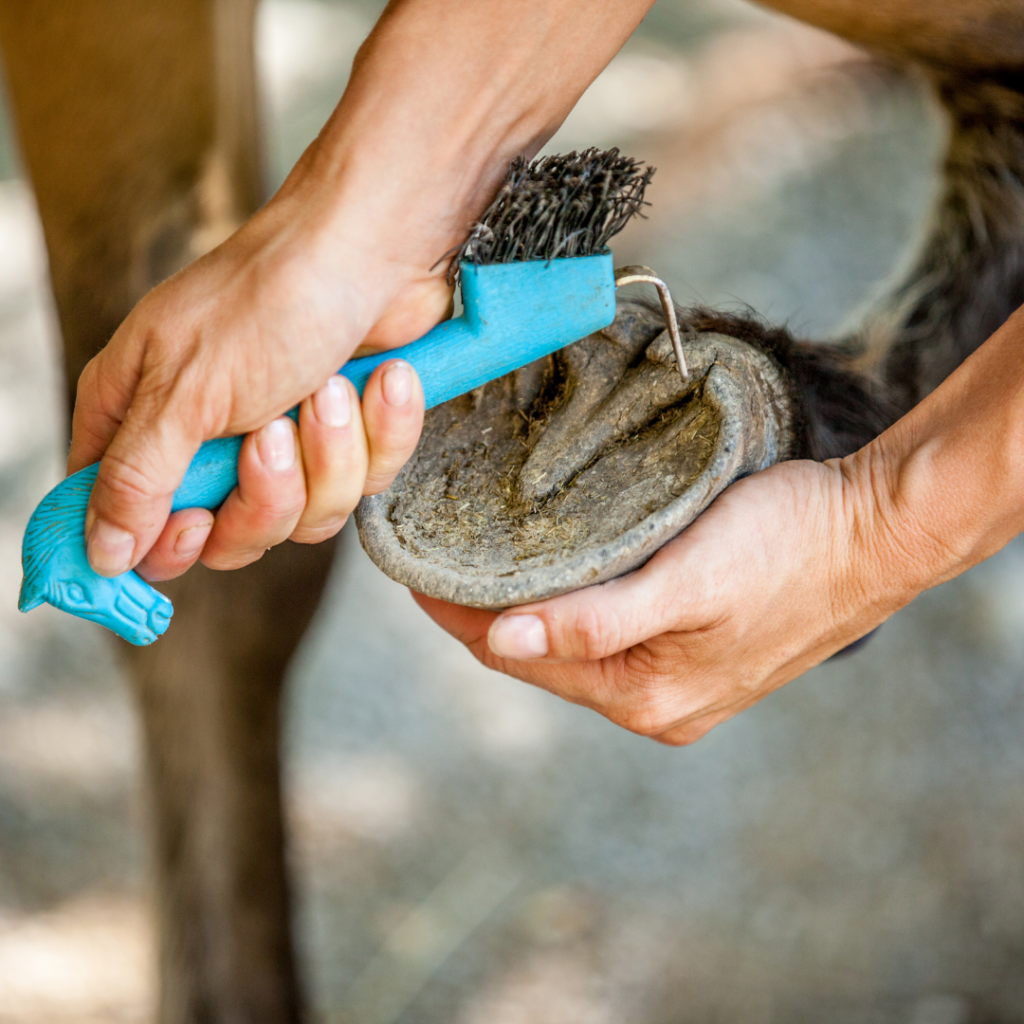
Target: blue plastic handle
{"type": "Point", "coordinates": [513, 314]}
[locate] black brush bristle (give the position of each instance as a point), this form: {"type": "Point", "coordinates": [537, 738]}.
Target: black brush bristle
{"type": "Point", "coordinates": [556, 206]}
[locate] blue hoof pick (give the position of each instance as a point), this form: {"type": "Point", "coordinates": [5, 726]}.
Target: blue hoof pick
{"type": "Point", "coordinates": [513, 314]}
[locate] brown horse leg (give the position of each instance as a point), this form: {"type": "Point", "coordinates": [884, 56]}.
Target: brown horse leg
{"type": "Point", "coordinates": [137, 123]}
{"type": "Point", "coordinates": [211, 710]}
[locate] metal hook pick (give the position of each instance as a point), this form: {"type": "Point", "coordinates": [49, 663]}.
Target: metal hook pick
{"type": "Point", "coordinates": [644, 275]}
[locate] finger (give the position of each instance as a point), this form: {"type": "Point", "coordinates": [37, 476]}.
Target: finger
{"type": "Point", "coordinates": [142, 466]}
{"type": "Point", "coordinates": [131, 498]}
{"type": "Point", "coordinates": [179, 545]}
{"type": "Point", "coordinates": [101, 401]}
{"type": "Point", "coordinates": [393, 415]}
{"type": "Point", "coordinates": [335, 457]}
{"type": "Point", "coordinates": [468, 625]}
{"type": "Point", "coordinates": [600, 621]}
{"type": "Point", "coordinates": [586, 683]}
{"type": "Point", "coordinates": [631, 688]}
{"type": "Point", "coordinates": [265, 507]}
{"type": "Point", "coordinates": [420, 305]}
{"type": "Point", "coordinates": [688, 730]}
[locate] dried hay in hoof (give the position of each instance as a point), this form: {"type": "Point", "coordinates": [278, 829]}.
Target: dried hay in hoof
{"type": "Point", "coordinates": [576, 468]}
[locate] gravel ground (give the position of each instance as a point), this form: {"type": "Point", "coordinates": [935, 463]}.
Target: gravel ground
{"type": "Point", "coordinates": [472, 851]}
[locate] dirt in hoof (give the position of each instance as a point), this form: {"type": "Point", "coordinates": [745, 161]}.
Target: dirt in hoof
{"type": "Point", "coordinates": [576, 468]}
{"type": "Point", "coordinates": [461, 504]}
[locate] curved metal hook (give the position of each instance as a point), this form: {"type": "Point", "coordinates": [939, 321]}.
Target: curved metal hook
{"type": "Point", "coordinates": [644, 275]}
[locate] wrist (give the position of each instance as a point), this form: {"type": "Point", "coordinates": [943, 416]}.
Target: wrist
{"type": "Point", "coordinates": [887, 559]}
{"type": "Point", "coordinates": [847, 562]}
{"type": "Point", "coordinates": [943, 488]}
{"type": "Point", "coordinates": [442, 95]}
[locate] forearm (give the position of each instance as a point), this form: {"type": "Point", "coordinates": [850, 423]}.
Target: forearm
{"type": "Point", "coordinates": [943, 488]}
{"type": "Point", "coordinates": [442, 95]}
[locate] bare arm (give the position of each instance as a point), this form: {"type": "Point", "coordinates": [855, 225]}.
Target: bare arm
{"type": "Point", "coordinates": [442, 95]}
{"type": "Point", "coordinates": [945, 485]}
{"type": "Point", "coordinates": [786, 567]}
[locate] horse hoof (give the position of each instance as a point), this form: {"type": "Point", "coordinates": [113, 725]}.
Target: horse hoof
{"type": "Point", "coordinates": [576, 468]}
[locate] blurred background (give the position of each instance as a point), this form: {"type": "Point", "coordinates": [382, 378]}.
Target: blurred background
{"type": "Point", "coordinates": [469, 850]}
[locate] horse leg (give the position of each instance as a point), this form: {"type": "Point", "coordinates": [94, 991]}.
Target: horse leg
{"type": "Point", "coordinates": [965, 280]}
{"type": "Point", "coordinates": [981, 36]}
{"type": "Point", "coordinates": [137, 123]}
{"type": "Point", "coordinates": [210, 702]}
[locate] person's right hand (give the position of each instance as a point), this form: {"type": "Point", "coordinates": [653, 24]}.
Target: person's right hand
{"type": "Point", "coordinates": [225, 347]}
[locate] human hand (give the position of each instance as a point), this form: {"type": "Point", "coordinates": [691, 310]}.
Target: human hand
{"type": "Point", "coordinates": [337, 259]}
{"type": "Point", "coordinates": [225, 347]}
{"type": "Point", "coordinates": [779, 573]}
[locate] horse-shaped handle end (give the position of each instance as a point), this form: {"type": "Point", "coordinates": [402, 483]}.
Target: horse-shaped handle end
{"type": "Point", "coordinates": [514, 313]}
{"type": "Point", "coordinates": [57, 571]}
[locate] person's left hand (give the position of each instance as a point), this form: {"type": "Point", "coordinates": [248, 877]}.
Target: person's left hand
{"type": "Point", "coordinates": [782, 571]}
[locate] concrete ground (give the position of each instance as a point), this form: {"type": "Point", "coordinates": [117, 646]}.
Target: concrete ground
{"type": "Point", "coordinates": [472, 851]}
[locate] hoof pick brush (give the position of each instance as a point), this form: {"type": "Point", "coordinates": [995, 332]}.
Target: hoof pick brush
{"type": "Point", "coordinates": [536, 275]}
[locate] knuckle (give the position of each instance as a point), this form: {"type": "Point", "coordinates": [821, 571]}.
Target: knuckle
{"type": "Point", "coordinates": [390, 459]}
{"type": "Point", "coordinates": [98, 393]}
{"type": "Point", "coordinates": [336, 486]}
{"type": "Point", "coordinates": [275, 525]}
{"type": "Point", "coordinates": [87, 378]}
{"type": "Point", "coordinates": [227, 562]}
{"type": "Point", "coordinates": [331, 462]}
{"type": "Point", "coordinates": [673, 738]}
{"type": "Point", "coordinates": [650, 705]}
{"type": "Point", "coordinates": [287, 509]}
{"type": "Point", "coordinates": [377, 482]}
{"type": "Point", "coordinates": [319, 533]}
{"type": "Point", "coordinates": [393, 441]}
{"type": "Point", "coordinates": [644, 721]}
{"type": "Point", "coordinates": [683, 737]}
{"type": "Point", "coordinates": [125, 480]}
{"type": "Point", "coordinates": [686, 732]}
{"type": "Point", "coordinates": [265, 511]}
{"type": "Point", "coordinates": [595, 632]}
{"type": "Point", "coordinates": [90, 433]}
{"type": "Point", "coordinates": [403, 432]}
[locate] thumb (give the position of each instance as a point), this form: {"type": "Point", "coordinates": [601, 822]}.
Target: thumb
{"type": "Point", "coordinates": [105, 390]}
{"type": "Point", "coordinates": [141, 468]}
{"type": "Point", "coordinates": [600, 621]}
{"type": "Point", "coordinates": [467, 625]}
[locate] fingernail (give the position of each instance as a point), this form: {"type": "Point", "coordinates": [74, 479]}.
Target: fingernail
{"type": "Point", "coordinates": [110, 548]}
{"type": "Point", "coordinates": [276, 445]}
{"type": "Point", "coordinates": [518, 636]}
{"type": "Point", "coordinates": [331, 404]}
{"type": "Point", "coordinates": [397, 383]}
{"type": "Point", "coordinates": [191, 540]}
